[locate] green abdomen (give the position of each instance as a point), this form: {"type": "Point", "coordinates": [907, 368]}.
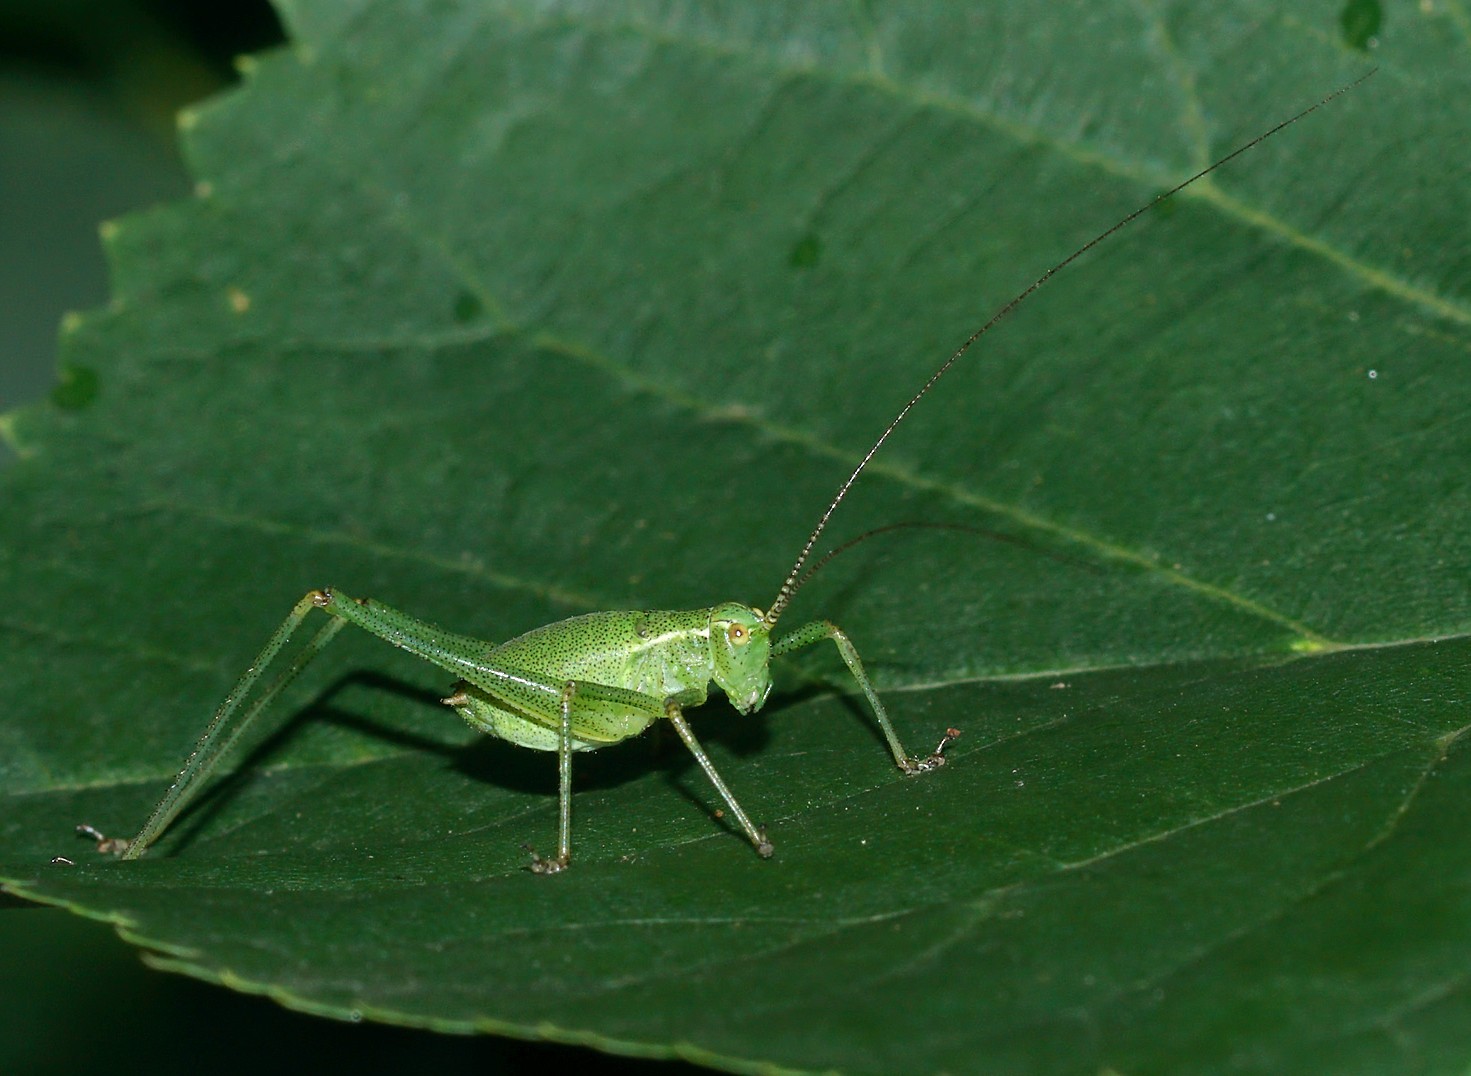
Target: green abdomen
{"type": "Point", "coordinates": [658, 654]}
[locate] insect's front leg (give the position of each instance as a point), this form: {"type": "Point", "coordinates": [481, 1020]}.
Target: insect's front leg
{"type": "Point", "coordinates": [819, 630]}
{"type": "Point", "coordinates": [756, 834]}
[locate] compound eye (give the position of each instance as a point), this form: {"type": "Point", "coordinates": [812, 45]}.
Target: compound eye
{"type": "Point", "coordinates": [738, 635]}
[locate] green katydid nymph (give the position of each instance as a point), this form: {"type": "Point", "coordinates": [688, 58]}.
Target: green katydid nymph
{"type": "Point", "coordinates": [599, 679]}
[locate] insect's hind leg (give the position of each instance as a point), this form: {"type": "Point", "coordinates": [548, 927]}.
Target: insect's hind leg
{"type": "Point", "coordinates": [456, 653]}
{"type": "Point", "coordinates": [210, 747]}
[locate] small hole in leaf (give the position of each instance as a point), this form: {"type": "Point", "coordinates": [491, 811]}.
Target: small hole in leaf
{"type": "Point", "coordinates": [807, 252]}
{"type": "Point", "coordinates": [1361, 20]}
{"type": "Point", "coordinates": [467, 308]}
{"type": "Point", "coordinates": [77, 388]}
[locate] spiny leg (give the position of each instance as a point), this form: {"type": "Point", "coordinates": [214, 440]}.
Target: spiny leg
{"type": "Point", "coordinates": [816, 632]}
{"type": "Point", "coordinates": [455, 653]}
{"type": "Point", "coordinates": [447, 650]}
{"type": "Point", "coordinates": [757, 835]}
{"type": "Point", "coordinates": [209, 749]}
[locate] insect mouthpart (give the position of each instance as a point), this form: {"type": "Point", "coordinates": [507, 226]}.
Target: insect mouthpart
{"type": "Point", "coordinates": [753, 701]}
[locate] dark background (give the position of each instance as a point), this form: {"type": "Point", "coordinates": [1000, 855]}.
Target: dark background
{"type": "Point", "coordinates": [88, 94]}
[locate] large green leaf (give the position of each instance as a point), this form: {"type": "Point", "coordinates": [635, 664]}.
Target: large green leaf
{"type": "Point", "coordinates": [506, 312]}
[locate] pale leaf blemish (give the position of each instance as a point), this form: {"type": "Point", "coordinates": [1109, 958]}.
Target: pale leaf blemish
{"type": "Point", "coordinates": [1308, 646]}
{"type": "Point", "coordinates": [806, 253]}
{"type": "Point", "coordinates": [239, 301]}
{"type": "Point", "coordinates": [204, 189]}
{"type": "Point", "coordinates": [468, 308]}
{"type": "Point", "coordinates": [9, 437]}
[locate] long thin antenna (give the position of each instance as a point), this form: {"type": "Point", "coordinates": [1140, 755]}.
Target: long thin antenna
{"type": "Point", "coordinates": [915, 524]}
{"type": "Point", "coordinates": [795, 578]}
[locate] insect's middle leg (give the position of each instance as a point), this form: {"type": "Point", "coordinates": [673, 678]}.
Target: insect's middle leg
{"type": "Point", "coordinates": [587, 714]}
{"type": "Point", "coordinates": [540, 865]}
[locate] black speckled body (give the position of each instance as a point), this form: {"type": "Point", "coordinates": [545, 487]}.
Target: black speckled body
{"type": "Point", "coordinates": [623, 667]}
{"type": "Point", "coordinates": [661, 654]}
